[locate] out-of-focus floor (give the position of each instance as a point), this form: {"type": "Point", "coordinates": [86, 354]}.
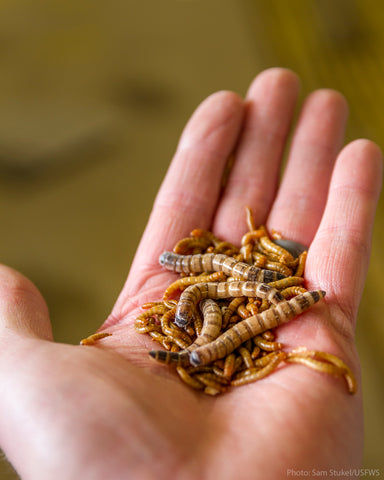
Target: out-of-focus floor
{"type": "Point", "coordinates": [93, 97]}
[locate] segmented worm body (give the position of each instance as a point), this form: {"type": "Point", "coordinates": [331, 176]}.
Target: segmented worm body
{"type": "Point", "coordinates": [210, 331]}
{"type": "Point", "coordinates": [215, 262]}
{"type": "Point", "coordinates": [192, 295]}
{"type": "Point", "coordinates": [252, 326]}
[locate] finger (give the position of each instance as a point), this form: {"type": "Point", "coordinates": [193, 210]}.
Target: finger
{"type": "Point", "coordinates": [339, 255]}
{"type": "Point", "coordinates": [23, 311]}
{"type": "Point", "coordinates": [188, 196]}
{"type": "Point", "coordinates": [318, 138]}
{"type": "Point", "coordinates": [270, 104]}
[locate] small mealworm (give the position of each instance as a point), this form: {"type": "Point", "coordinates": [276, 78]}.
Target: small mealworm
{"type": "Point", "coordinates": [210, 331]}
{"type": "Point", "coordinates": [301, 265]}
{"type": "Point", "coordinates": [93, 338]}
{"type": "Point", "coordinates": [187, 244]}
{"type": "Point", "coordinates": [292, 291]}
{"type": "Point", "coordinates": [319, 361]}
{"type": "Point", "coordinates": [267, 345]}
{"type": "Point", "coordinates": [287, 282]}
{"type": "Point", "coordinates": [193, 294]}
{"type": "Point", "coordinates": [246, 356]}
{"type": "Point", "coordinates": [178, 336]}
{"type": "Point", "coordinates": [272, 247]}
{"type": "Point", "coordinates": [249, 219]}
{"type": "Point", "coordinates": [254, 374]}
{"type": "Point", "coordinates": [253, 235]}
{"type": "Point", "coordinates": [252, 326]}
{"type": "Point", "coordinates": [231, 309]}
{"type": "Point", "coordinates": [188, 379]}
{"type": "Point", "coordinates": [215, 262]}
{"type": "Point", "coordinates": [184, 282]}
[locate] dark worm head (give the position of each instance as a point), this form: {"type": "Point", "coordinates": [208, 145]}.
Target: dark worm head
{"type": "Point", "coordinates": [163, 258]}
{"type": "Point", "coordinates": [194, 359]}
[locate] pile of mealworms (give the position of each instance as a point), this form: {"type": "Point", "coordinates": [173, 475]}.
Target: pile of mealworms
{"type": "Point", "coordinates": [216, 322]}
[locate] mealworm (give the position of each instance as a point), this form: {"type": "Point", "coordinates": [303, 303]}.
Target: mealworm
{"type": "Point", "coordinates": [254, 374]}
{"type": "Point", "coordinates": [266, 344]}
{"type": "Point", "coordinates": [272, 247]}
{"type": "Point", "coordinates": [252, 326]}
{"type": "Point", "coordinates": [188, 379]}
{"type": "Point", "coordinates": [93, 338]}
{"type": "Point", "coordinates": [193, 294]}
{"type": "Point", "coordinates": [210, 331]}
{"type": "Point", "coordinates": [287, 282]}
{"type": "Point", "coordinates": [186, 244]}
{"type": "Point", "coordinates": [292, 291]}
{"type": "Point", "coordinates": [294, 248]}
{"type": "Point", "coordinates": [253, 235]}
{"type": "Point", "coordinates": [301, 265]}
{"type": "Point", "coordinates": [215, 262]}
{"type": "Point", "coordinates": [231, 309]}
{"type": "Point", "coordinates": [322, 361]}
{"type": "Point", "coordinates": [249, 219]}
{"type": "Point", "coordinates": [184, 282]}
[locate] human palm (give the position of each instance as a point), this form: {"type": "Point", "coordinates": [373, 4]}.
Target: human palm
{"type": "Point", "coordinates": [110, 411]}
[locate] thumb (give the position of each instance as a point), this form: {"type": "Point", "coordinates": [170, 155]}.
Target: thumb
{"type": "Point", "coordinates": [23, 311]}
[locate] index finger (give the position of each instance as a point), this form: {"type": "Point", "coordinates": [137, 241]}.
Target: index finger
{"type": "Point", "coordinates": [189, 193]}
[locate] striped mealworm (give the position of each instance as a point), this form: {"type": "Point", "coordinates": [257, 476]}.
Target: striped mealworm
{"type": "Point", "coordinates": [210, 331]}
{"type": "Point", "coordinates": [212, 262]}
{"type": "Point", "coordinates": [193, 294]}
{"type": "Point", "coordinates": [185, 282]}
{"type": "Point", "coordinates": [252, 326]}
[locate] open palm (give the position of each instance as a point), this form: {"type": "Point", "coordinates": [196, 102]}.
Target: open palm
{"type": "Point", "coordinates": [109, 411]}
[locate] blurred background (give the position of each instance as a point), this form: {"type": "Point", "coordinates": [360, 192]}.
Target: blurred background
{"type": "Point", "coordinates": [93, 98]}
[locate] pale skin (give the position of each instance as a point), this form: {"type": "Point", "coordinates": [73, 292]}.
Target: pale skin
{"type": "Point", "coordinates": [110, 411]}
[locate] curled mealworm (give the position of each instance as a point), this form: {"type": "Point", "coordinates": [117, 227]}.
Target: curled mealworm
{"type": "Point", "coordinates": [273, 247]}
{"type": "Point", "coordinates": [292, 291]}
{"type": "Point", "coordinates": [188, 379]}
{"type": "Point", "coordinates": [254, 374]}
{"type": "Point", "coordinates": [231, 309]}
{"type": "Point", "coordinates": [178, 336]}
{"type": "Point", "coordinates": [252, 326]}
{"type": "Point", "coordinates": [322, 361]}
{"type": "Point", "coordinates": [212, 262]}
{"type": "Point", "coordinates": [185, 282]}
{"type": "Point", "coordinates": [254, 235]}
{"type": "Point", "coordinates": [210, 331]}
{"type": "Point", "coordinates": [267, 345]}
{"type": "Point", "coordinates": [193, 294]}
{"type": "Point", "coordinates": [190, 243]}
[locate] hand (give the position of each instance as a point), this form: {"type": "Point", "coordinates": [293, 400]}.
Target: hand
{"type": "Point", "coordinates": [110, 411]}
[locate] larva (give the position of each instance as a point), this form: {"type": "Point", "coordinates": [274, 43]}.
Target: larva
{"type": "Point", "coordinates": [210, 331]}
{"type": "Point", "coordinates": [252, 326]}
{"type": "Point", "coordinates": [215, 262]}
{"type": "Point", "coordinates": [193, 294]}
